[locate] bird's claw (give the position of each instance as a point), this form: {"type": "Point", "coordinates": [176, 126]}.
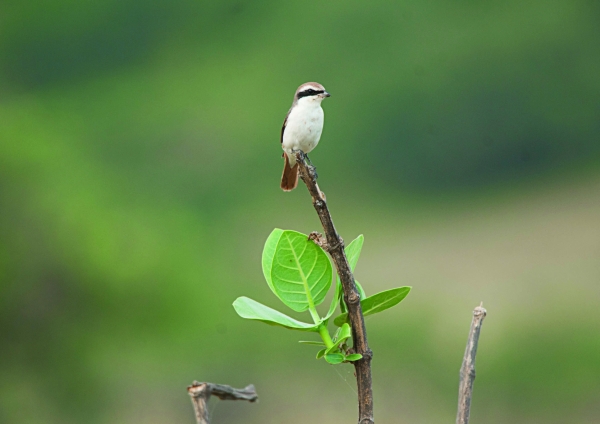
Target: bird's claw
{"type": "Point", "coordinates": [312, 170]}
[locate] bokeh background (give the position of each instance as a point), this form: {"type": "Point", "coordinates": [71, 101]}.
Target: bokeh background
{"type": "Point", "coordinates": [139, 178]}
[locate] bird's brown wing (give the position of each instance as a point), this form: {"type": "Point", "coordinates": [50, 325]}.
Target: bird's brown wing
{"type": "Point", "coordinates": [283, 128]}
{"type": "Point", "coordinates": [284, 125]}
{"type": "Point", "coordinates": [289, 179]}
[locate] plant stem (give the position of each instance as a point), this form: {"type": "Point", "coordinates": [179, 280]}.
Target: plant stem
{"type": "Point", "coordinates": [325, 335]}
{"type": "Point", "coordinates": [201, 392]}
{"type": "Point", "coordinates": [467, 370]}
{"type": "Point", "coordinates": [323, 331]}
{"type": "Point", "coordinates": [335, 247]}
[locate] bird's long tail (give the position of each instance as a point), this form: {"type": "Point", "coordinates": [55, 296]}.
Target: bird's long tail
{"type": "Point", "coordinates": [289, 179]}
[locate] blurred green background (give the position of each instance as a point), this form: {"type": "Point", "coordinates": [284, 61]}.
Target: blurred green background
{"type": "Point", "coordinates": [139, 178]}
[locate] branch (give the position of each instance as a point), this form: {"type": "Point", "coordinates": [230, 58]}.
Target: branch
{"type": "Point", "coordinates": [467, 370]}
{"type": "Point", "coordinates": [335, 247]}
{"type": "Point", "coordinates": [201, 392]}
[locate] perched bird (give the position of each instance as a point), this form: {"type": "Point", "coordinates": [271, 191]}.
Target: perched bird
{"type": "Point", "coordinates": [301, 129]}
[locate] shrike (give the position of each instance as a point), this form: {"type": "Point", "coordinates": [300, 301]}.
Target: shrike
{"type": "Point", "coordinates": [301, 129]}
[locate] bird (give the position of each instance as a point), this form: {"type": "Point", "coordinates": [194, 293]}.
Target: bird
{"type": "Point", "coordinates": [301, 129]}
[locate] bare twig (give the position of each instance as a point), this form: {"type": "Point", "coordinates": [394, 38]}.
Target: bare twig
{"type": "Point", "coordinates": [201, 392]}
{"type": "Point", "coordinates": [467, 370]}
{"type": "Point", "coordinates": [335, 247]}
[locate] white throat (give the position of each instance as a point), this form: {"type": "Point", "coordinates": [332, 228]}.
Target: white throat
{"type": "Point", "coordinates": [310, 102]}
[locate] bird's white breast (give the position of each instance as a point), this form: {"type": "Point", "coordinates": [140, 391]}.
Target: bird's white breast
{"type": "Point", "coordinates": [303, 128]}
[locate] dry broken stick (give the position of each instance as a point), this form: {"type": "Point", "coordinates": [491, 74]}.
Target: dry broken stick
{"type": "Point", "coordinates": [201, 392]}
{"type": "Point", "coordinates": [467, 370]}
{"type": "Point", "coordinates": [335, 247]}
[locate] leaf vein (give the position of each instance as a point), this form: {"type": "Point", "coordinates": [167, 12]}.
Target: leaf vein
{"type": "Point", "coordinates": [310, 272]}
{"type": "Point", "coordinates": [290, 281]}
{"type": "Point", "coordinates": [319, 279]}
{"type": "Point", "coordinates": [291, 291]}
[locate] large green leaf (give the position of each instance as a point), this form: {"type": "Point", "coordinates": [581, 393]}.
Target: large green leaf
{"type": "Point", "coordinates": [301, 272]}
{"type": "Point", "coordinates": [377, 303]}
{"type": "Point", "coordinates": [251, 309]}
{"type": "Point", "coordinates": [268, 254]}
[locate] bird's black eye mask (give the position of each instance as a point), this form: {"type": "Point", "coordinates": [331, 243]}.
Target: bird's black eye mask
{"type": "Point", "coordinates": [309, 92]}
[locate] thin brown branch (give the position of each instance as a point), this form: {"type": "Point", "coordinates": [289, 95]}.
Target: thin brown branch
{"type": "Point", "coordinates": [467, 370]}
{"type": "Point", "coordinates": [335, 247]}
{"type": "Point", "coordinates": [201, 392]}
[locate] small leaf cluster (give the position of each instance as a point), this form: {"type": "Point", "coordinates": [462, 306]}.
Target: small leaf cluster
{"type": "Point", "coordinates": [299, 273]}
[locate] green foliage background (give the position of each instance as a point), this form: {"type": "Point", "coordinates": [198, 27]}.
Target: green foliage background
{"type": "Point", "coordinates": [139, 173]}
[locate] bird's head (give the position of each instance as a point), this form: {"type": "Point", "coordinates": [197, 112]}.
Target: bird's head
{"type": "Point", "coordinates": [311, 92]}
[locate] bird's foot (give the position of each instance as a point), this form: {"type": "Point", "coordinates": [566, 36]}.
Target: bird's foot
{"type": "Point", "coordinates": [312, 170]}
{"type": "Point", "coordinates": [308, 161]}
{"type": "Point", "coordinates": [311, 167]}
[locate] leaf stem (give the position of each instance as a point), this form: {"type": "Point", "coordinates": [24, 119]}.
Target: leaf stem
{"type": "Point", "coordinates": [313, 312]}
{"type": "Point", "coordinates": [325, 335]}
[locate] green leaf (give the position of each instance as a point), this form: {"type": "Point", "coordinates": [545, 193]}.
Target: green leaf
{"type": "Point", "coordinates": [268, 254]}
{"type": "Point", "coordinates": [310, 342]}
{"type": "Point", "coordinates": [341, 319]}
{"type": "Point", "coordinates": [343, 307]}
{"type": "Point", "coordinates": [251, 309]}
{"type": "Point", "coordinates": [377, 303]}
{"type": "Point", "coordinates": [353, 251]}
{"type": "Point", "coordinates": [344, 334]}
{"type": "Point", "coordinates": [321, 353]}
{"type": "Point", "coordinates": [301, 272]}
{"type": "Point", "coordinates": [384, 300]}
{"type": "Point", "coordinates": [334, 358]}
{"type": "Point", "coordinates": [353, 357]}
{"type": "Point", "coordinates": [334, 302]}
{"type": "Point", "coordinates": [337, 333]}
{"type": "Point", "coordinates": [360, 289]}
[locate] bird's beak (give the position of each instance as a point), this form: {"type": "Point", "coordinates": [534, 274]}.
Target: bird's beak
{"type": "Point", "coordinates": [326, 94]}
